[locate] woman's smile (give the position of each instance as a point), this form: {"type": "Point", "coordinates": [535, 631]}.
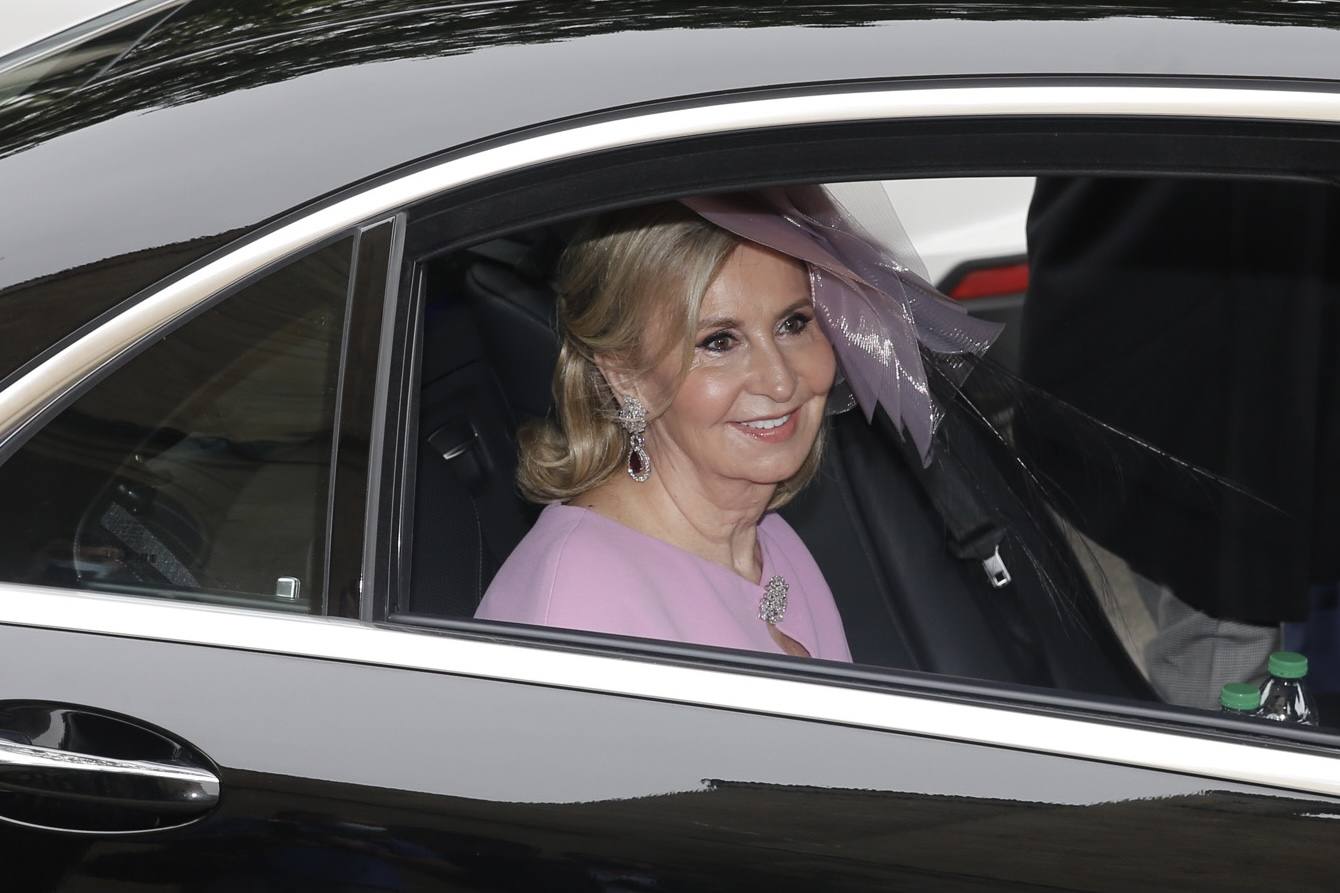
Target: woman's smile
{"type": "Point", "coordinates": [770, 430]}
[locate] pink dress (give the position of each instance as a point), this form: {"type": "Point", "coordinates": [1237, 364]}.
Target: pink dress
{"type": "Point", "coordinates": [578, 569]}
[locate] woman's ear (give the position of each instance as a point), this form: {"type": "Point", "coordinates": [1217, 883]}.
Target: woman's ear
{"type": "Point", "coordinates": [621, 380]}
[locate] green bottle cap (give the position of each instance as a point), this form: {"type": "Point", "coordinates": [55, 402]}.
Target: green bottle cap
{"type": "Point", "coordinates": [1240, 696]}
{"type": "Point", "coordinates": [1288, 665]}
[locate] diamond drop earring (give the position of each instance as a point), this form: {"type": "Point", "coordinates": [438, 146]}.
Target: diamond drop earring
{"type": "Point", "coordinates": [633, 419]}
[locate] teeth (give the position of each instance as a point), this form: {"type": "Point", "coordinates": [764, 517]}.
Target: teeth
{"type": "Point", "coordinates": [765, 424]}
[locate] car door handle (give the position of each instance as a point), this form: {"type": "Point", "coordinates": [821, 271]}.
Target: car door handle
{"type": "Point", "coordinates": [170, 791]}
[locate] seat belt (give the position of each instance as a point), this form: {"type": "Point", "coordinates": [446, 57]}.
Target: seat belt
{"type": "Point", "coordinates": [974, 533]}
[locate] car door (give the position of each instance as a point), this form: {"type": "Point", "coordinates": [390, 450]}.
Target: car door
{"type": "Point", "coordinates": [354, 758]}
{"type": "Point", "coordinates": [219, 470]}
{"type": "Point", "coordinates": [1186, 131]}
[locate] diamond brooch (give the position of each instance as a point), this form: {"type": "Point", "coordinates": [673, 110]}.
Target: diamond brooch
{"type": "Point", "coordinates": [772, 606]}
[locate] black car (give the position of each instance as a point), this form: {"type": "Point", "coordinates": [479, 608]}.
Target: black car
{"type": "Point", "coordinates": [274, 298]}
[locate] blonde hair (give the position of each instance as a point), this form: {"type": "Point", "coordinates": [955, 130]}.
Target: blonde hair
{"type": "Point", "coordinates": [630, 286]}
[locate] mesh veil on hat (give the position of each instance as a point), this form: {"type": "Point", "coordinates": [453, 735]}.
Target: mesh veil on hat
{"type": "Point", "coordinates": [870, 293]}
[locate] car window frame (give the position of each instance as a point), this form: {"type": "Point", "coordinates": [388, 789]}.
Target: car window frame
{"type": "Point", "coordinates": [541, 194]}
{"type": "Point", "coordinates": [431, 234]}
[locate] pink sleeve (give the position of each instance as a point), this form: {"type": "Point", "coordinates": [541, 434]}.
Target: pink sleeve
{"type": "Point", "coordinates": [573, 577]}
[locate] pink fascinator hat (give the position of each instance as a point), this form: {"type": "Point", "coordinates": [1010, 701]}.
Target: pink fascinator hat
{"type": "Point", "coordinates": [886, 322]}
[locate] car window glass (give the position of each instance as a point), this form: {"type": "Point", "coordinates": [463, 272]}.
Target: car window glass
{"type": "Point", "coordinates": [201, 468]}
{"type": "Point", "coordinates": [1165, 374]}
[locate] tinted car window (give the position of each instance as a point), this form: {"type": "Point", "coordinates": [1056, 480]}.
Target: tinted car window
{"type": "Point", "coordinates": [200, 468]}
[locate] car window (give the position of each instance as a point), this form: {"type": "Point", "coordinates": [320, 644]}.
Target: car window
{"type": "Point", "coordinates": [200, 469]}
{"type": "Point", "coordinates": [1145, 382]}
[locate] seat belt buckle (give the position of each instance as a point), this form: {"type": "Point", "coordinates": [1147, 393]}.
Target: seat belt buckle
{"type": "Point", "coordinates": [996, 573]}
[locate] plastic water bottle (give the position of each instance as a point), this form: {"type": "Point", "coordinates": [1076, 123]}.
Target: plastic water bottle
{"type": "Point", "coordinates": [1240, 699]}
{"type": "Point", "coordinates": [1283, 696]}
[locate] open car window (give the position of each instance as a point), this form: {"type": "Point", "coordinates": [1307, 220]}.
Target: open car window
{"type": "Point", "coordinates": [1163, 378]}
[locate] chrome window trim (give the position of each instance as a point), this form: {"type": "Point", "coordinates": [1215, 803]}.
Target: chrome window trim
{"type": "Point", "coordinates": [410, 649]}
{"type": "Point", "coordinates": [24, 398]}
{"type": "Point", "coordinates": [376, 455]}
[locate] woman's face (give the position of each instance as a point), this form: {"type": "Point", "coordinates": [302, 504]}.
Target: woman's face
{"type": "Point", "coordinates": [753, 400]}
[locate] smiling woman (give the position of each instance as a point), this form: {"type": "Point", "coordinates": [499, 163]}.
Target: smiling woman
{"type": "Point", "coordinates": [712, 331]}
{"type": "Point", "coordinates": [703, 348]}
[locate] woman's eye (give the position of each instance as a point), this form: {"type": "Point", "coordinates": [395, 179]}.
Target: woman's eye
{"type": "Point", "coordinates": [795, 323]}
{"type": "Point", "coordinates": [718, 343]}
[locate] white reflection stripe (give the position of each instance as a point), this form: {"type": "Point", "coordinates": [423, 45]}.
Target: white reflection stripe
{"type": "Point", "coordinates": [24, 398]}
{"type": "Point", "coordinates": [347, 640]}
{"type": "Point", "coordinates": [82, 32]}
{"type": "Point", "coordinates": [28, 757]}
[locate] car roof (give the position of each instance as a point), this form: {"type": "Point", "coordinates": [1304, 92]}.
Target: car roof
{"type": "Point", "coordinates": [226, 113]}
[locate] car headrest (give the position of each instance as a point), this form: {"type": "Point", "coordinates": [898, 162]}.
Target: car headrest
{"type": "Point", "coordinates": [515, 316]}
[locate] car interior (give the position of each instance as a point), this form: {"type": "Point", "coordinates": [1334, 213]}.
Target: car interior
{"type": "Point", "coordinates": [902, 548]}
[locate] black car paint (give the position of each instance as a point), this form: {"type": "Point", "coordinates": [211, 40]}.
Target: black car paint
{"type": "Point", "coordinates": [336, 773]}
{"type": "Point", "coordinates": [340, 775]}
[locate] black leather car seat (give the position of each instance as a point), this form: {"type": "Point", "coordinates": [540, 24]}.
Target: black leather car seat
{"type": "Point", "coordinates": [908, 601]}
{"type": "Point", "coordinates": [488, 354]}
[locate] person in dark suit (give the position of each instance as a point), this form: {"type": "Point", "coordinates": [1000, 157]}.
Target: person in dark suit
{"type": "Point", "coordinates": [1198, 315]}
